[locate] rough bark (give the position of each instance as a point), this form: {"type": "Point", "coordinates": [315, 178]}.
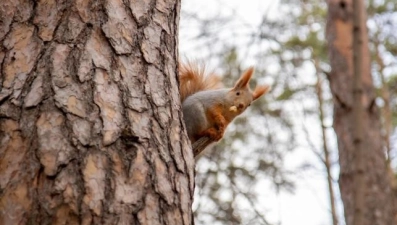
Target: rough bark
{"type": "Point", "coordinates": [377, 199]}
{"type": "Point", "coordinates": [90, 120]}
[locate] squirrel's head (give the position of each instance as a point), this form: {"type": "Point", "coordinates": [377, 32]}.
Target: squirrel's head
{"type": "Point", "coordinates": [241, 95]}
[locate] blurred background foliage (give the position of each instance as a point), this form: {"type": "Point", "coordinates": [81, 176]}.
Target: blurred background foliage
{"type": "Point", "coordinates": [289, 52]}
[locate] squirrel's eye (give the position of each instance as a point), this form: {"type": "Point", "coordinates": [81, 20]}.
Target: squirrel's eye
{"type": "Point", "coordinates": [238, 93]}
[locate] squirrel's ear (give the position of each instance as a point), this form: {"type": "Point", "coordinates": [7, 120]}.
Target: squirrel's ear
{"type": "Point", "coordinates": [259, 91]}
{"type": "Point", "coordinates": [244, 79]}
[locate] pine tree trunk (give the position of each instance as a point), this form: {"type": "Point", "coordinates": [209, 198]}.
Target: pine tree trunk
{"type": "Point", "coordinates": [377, 205]}
{"type": "Point", "coordinates": [90, 122]}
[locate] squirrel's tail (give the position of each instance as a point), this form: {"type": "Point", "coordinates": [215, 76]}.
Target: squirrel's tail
{"type": "Point", "coordinates": [193, 78]}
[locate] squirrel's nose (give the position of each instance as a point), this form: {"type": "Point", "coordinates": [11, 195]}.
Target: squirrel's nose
{"type": "Point", "coordinates": [241, 105]}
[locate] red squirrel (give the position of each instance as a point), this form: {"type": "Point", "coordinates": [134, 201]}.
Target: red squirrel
{"type": "Point", "coordinates": [208, 108]}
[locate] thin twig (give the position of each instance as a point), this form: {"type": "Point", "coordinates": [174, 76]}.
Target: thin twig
{"type": "Point", "coordinates": [200, 145]}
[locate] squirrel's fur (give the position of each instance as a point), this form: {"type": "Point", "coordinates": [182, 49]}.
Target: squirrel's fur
{"type": "Point", "coordinates": [207, 108]}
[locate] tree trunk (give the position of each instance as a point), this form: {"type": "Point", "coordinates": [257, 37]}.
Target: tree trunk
{"type": "Point", "coordinates": [377, 196]}
{"type": "Point", "coordinates": [358, 132]}
{"type": "Point", "coordinates": [90, 121]}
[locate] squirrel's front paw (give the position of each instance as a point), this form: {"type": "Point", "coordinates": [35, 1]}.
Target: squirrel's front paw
{"type": "Point", "coordinates": [213, 134]}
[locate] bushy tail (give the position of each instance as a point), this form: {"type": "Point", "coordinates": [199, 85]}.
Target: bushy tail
{"type": "Point", "coordinates": [193, 78]}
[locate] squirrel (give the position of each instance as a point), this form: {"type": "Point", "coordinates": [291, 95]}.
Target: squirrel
{"type": "Point", "coordinates": [207, 107]}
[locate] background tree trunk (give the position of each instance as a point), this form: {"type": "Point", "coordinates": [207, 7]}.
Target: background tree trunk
{"type": "Point", "coordinates": [377, 202]}
{"type": "Point", "coordinates": [90, 121]}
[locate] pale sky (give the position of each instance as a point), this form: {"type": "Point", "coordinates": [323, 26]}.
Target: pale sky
{"type": "Point", "coordinates": [309, 205]}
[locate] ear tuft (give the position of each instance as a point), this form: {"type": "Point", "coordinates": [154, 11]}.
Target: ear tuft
{"type": "Point", "coordinates": [259, 91]}
{"type": "Point", "coordinates": [244, 79]}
